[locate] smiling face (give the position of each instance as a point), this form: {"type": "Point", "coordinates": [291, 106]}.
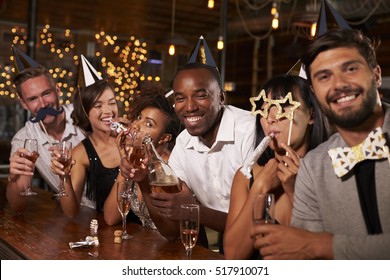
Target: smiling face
{"type": "Point", "coordinates": [37, 93]}
{"type": "Point", "coordinates": [103, 110]}
{"type": "Point", "coordinates": [345, 86]}
{"type": "Point", "coordinates": [198, 102]}
{"type": "Point", "coordinates": [281, 127]}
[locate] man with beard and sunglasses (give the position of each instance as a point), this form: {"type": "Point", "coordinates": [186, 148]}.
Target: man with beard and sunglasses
{"type": "Point", "coordinates": [50, 123]}
{"type": "Point", "coordinates": [342, 194]}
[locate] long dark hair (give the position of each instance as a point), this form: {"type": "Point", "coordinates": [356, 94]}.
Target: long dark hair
{"type": "Point", "coordinates": [83, 101]}
{"type": "Point", "coordinates": [279, 86]}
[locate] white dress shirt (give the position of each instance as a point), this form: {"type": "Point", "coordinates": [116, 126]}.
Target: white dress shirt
{"type": "Point", "coordinates": [207, 171]}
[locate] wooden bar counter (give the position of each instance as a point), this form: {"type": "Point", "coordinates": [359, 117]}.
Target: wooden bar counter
{"type": "Point", "coordinates": [43, 232]}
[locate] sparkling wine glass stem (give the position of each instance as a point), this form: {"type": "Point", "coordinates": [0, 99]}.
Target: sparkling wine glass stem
{"type": "Point", "coordinates": [62, 183]}
{"type": "Point", "coordinates": [189, 253]}
{"type": "Point", "coordinates": [29, 184]}
{"type": "Point", "coordinates": [124, 225]}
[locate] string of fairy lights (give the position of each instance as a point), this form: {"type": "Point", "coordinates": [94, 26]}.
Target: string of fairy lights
{"type": "Point", "coordinates": [119, 59]}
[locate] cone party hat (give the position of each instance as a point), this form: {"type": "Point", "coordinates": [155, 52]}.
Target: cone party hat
{"type": "Point", "coordinates": [87, 74]}
{"type": "Point", "coordinates": [22, 61]}
{"type": "Point", "coordinates": [297, 70]}
{"type": "Point", "coordinates": [202, 54]}
{"type": "Point", "coordinates": [329, 19]}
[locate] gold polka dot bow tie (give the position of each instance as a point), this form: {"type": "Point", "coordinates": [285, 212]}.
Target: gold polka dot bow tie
{"type": "Point", "coordinates": [373, 147]}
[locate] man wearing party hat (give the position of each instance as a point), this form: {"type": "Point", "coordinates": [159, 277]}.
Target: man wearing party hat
{"type": "Point", "coordinates": [342, 194]}
{"type": "Point", "coordinates": [50, 123]}
{"type": "Point", "coordinates": [217, 140]}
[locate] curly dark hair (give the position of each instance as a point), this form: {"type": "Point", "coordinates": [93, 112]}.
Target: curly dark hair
{"type": "Point", "coordinates": [152, 95]}
{"type": "Point", "coordinates": [83, 101]}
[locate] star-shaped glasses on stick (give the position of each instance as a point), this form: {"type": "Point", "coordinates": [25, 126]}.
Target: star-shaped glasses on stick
{"type": "Point", "coordinates": [293, 105]}
{"type": "Point", "coordinates": [275, 102]}
{"type": "Point", "coordinates": [263, 112]}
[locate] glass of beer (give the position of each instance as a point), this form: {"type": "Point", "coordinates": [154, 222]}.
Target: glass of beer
{"type": "Point", "coordinates": [30, 145]}
{"type": "Point", "coordinates": [189, 226]}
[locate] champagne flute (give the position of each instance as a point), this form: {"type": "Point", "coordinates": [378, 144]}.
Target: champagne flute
{"type": "Point", "coordinates": [123, 198]}
{"type": "Point", "coordinates": [134, 148]}
{"type": "Point", "coordinates": [132, 143]}
{"type": "Point", "coordinates": [65, 150]}
{"type": "Point", "coordinates": [189, 226]}
{"type": "Point", "coordinates": [30, 145]}
{"type": "Point", "coordinates": [263, 211]}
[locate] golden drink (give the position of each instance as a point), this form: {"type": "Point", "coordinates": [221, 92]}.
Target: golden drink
{"type": "Point", "coordinates": [65, 161]}
{"type": "Point", "coordinates": [33, 157]}
{"type": "Point", "coordinates": [164, 187]}
{"type": "Point", "coordinates": [124, 204]}
{"type": "Point", "coordinates": [188, 238]}
{"type": "Point", "coordinates": [135, 156]}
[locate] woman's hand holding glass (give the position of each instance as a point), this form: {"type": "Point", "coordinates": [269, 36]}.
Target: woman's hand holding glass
{"type": "Point", "coordinates": [61, 163]}
{"type": "Point", "coordinates": [132, 153]}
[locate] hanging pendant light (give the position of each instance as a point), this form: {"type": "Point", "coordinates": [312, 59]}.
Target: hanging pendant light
{"type": "Point", "coordinates": [171, 49]}
{"type": "Point", "coordinates": [210, 4]}
{"type": "Point", "coordinates": [220, 43]}
{"type": "Point", "coordinates": [174, 40]}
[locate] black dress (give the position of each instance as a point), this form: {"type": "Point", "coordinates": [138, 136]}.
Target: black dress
{"type": "Point", "coordinates": [100, 180]}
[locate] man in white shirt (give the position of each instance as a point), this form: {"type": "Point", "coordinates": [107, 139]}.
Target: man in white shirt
{"type": "Point", "coordinates": [37, 91]}
{"type": "Point", "coordinates": [217, 140]}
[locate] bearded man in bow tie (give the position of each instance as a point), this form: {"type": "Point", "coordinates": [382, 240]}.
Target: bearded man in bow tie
{"type": "Point", "coordinates": [342, 194]}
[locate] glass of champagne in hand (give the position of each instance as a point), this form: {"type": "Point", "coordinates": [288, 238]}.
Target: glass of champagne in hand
{"type": "Point", "coordinates": [123, 198]}
{"type": "Point", "coordinates": [189, 226]}
{"type": "Point", "coordinates": [134, 148]}
{"type": "Point", "coordinates": [65, 151]}
{"type": "Point", "coordinates": [30, 145]}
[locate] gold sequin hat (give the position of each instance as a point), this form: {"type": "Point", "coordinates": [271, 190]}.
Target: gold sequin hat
{"type": "Point", "coordinates": [22, 61]}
